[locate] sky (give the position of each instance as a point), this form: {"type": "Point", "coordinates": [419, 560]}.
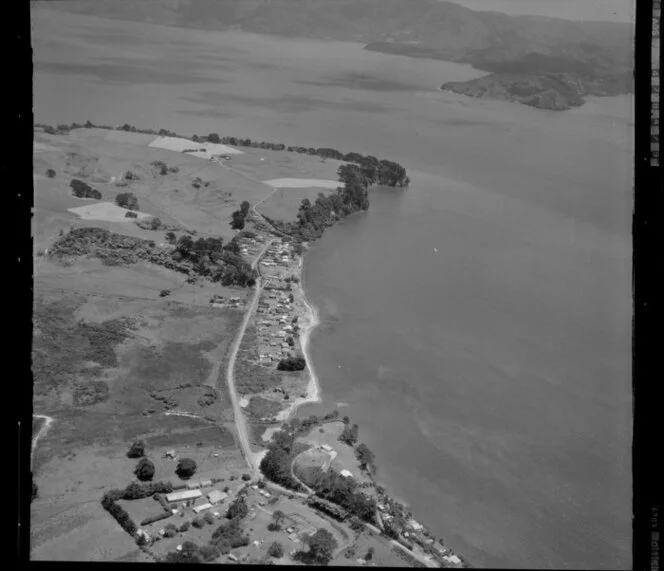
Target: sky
{"type": "Point", "coordinates": [607, 10]}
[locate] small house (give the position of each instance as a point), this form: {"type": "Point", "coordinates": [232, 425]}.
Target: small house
{"type": "Point", "coordinates": [193, 485]}
{"type": "Point", "coordinates": [346, 473]}
{"type": "Point", "coordinates": [202, 507]}
{"type": "Point", "coordinates": [327, 448]}
{"type": "Point", "coordinates": [216, 496]}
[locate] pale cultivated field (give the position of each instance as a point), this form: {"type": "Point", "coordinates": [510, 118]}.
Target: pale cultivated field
{"type": "Point", "coordinates": [107, 212]}
{"type": "Point", "coordinates": [205, 150]}
{"type": "Point", "coordinates": [302, 183]}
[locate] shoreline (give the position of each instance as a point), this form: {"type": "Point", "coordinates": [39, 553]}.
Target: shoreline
{"type": "Point", "coordinates": [313, 391]}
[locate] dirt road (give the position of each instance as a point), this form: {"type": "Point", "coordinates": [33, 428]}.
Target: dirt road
{"type": "Point", "coordinates": [240, 421]}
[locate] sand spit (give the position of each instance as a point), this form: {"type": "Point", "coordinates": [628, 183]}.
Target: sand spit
{"type": "Point", "coordinates": [106, 211]}
{"type": "Point", "coordinates": [302, 183]}
{"type": "Point", "coordinates": [203, 150]}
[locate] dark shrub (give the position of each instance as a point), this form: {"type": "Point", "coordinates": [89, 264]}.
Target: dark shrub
{"type": "Point", "coordinates": [272, 526]}
{"type": "Point", "coordinates": [186, 468]}
{"type": "Point", "coordinates": [208, 553]}
{"type": "Point", "coordinates": [170, 533]}
{"type": "Point", "coordinates": [246, 477]}
{"type": "Point", "coordinates": [276, 550]}
{"type": "Point", "coordinates": [131, 214]}
{"type": "Point", "coordinates": [170, 237]}
{"type": "Point", "coordinates": [184, 527]}
{"type": "Point", "coordinates": [164, 292]}
{"type": "Point", "coordinates": [50, 173]}
{"type": "Point", "coordinates": [209, 518]}
{"type": "Point", "coordinates": [137, 449]}
{"type": "Point", "coordinates": [198, 522]}
{"type": "Point", "coordinates": [144, 470]}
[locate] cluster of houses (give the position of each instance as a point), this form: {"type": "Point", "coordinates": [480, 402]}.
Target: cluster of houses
{"type": "Point", "coordinates": [275, 319]}
{"type": "Point", "coordinates": [249, 247]}
{"type": "Point", "coordinates": [413, 532]}
{"type": "Point", "coordinates": [193, 497]}
{"type": "Point", "coordinates": [220, 301]}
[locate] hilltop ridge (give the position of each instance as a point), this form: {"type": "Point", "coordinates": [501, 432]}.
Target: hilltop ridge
{"type": "Point", "coordinates": [518, 50]}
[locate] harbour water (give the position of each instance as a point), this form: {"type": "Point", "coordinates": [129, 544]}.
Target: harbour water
{"type": "Point", "coordinates": [478, 323]}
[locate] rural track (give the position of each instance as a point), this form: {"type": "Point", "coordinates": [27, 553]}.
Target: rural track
{"type": "Point", "coordinates": [240, 421]}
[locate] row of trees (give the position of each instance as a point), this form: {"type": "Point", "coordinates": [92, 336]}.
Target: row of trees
{"type": "Point", "coordinates": [388, 173]}
{"type": "Point", "coordinates": [133, 491]}
{"type": "Point", "coordinates": [144, 471]}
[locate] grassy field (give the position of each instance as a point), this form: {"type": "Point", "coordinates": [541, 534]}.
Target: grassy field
{"type": "Point", "coordinates": [114, 361]}
{"type": "Point", "coordinates": [328, 434]}
{"type": "Point", "coordinates": [101, 157]}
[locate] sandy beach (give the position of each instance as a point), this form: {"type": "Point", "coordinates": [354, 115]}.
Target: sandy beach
{"type": "Point", "coordinates": [311, 320]}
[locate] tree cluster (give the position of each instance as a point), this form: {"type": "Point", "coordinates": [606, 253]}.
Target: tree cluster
{"type": "Point", "coordinates": [82, 189]}
{"type": "Point", "coordinates": [229, 536]}
{"type": "Point", "coordinates": [185, 468]}
{"type": "Point", "coordinates": [127, 200]}
{"type": "Point", "coordinates": [238, 508]}
{"type": "Point", "coordinates": [342, 491]}
{"type": "Point", "coordinates": [321, 546]}
{"type": "Point", "coordinates": [295, 363]}
{"type": "Point", "coordinates": [350, 434]}
{"type": "Point", "coordinates": [276, 550]}
{"type": "Point", "coordinates": [144, 470]}
{"type": "Point", "coordinates": [211, 258]}
{"type": "Point", "coordinates": [238, 217]}
{"type": "Point", "coordinates": [163, 169]}
{"type": "Point", "coordinates": [366, 458]}
{"type": "Point", "coordinates": [190, 553]}
{"type": "Point", "coordinates": [137, 449]}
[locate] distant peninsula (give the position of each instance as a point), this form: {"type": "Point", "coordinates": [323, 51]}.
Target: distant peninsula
{"type": "Point", "coordinates": [548, 63]}
{"type": "Point", "coordinates": [552, 91]}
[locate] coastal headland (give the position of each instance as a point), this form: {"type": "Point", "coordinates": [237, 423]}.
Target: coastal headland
{"type": "Point", "coordinates": [196, 368]}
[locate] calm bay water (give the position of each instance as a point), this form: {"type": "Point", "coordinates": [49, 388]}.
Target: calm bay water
{"type": "Point", "coordinates": [478, 323]}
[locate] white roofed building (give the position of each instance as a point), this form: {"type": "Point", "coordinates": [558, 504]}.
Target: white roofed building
{"type": "Point", "coordinates": [183, 496]}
